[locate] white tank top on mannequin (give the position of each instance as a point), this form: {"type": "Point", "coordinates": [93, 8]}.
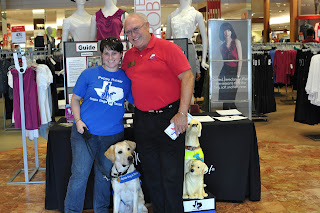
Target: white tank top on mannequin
{"type": "Point", "coordinates": [79, 27]}
{"type": "Point", "coordinates": [183, 24]}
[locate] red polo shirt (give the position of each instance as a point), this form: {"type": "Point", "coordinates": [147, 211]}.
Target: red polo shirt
{"type": "Point", "coordinates": [153, 73]}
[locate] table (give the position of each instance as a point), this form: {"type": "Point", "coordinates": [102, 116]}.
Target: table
{"type": "Point", "coordinates": [230, 149]}
{"type": "Point", "coordinates": [58, 168]}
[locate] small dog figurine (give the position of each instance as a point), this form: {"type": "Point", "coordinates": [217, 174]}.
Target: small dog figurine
{"type": "Point", "coordinates": [194, 180]}
{"type": "Point", "coordinates": [193, 151]}
{"type": "Point", "coordinates": [128, 195]}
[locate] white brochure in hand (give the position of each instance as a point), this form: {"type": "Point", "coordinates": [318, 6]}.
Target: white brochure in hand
{"type": "Point", "coordinates": [170, 129]}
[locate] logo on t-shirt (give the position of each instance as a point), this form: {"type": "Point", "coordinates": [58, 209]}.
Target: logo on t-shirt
{"type": "Point", "coordinates": [152, 56]}
{"type": "Point", "coordinates": [109, 94]}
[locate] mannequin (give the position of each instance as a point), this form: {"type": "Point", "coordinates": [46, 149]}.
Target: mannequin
{"type": "Point", "coordinates": [78, 24]}
{"type": "Point", "coordinates": [304, 27]}
{"type": "Point", "coordinates": [50, 39]}
{"type": "Point", "coordinates": [108, 21]}
{"type": "Point", "coordinates": [183, 22]}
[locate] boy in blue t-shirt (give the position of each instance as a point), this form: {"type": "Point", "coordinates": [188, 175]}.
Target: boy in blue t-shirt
{"type": "Point", "coordinates": [103, 90]}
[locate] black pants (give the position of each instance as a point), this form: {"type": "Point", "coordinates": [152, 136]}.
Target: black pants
{"type": "Point", "coordinates": [162, 159]}
{"type": "Point", "coordinates": [227, 86]}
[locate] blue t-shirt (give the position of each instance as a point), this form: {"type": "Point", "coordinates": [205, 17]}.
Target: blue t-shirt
{"type": "Point", "coordinates": [103, 95]}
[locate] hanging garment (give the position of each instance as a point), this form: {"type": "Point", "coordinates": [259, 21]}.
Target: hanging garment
{"type": "Point", "coordinates": [44, 79]}
{"type": "Point", "coordinates": [109, 26]}
{"type": "Point", "coordinates": [31, 104]}
{"type": "Point", "coordinates": [57, 80]}
{"type": "Point", "coordinates": [284, 65]}
{"type": "Point", "coordinates": [263, 86]}
{"type": "Point", "coordinates": [305, 112]}
{"type": "Point", "coordinates": [313, 81]}
{"type": "Point", "coordinates": [4, 65]}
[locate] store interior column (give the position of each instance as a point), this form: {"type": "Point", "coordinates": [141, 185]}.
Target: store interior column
{"type": "Point", "coordinates": [293, 20]}
{"type": "Point", "coordinates": [266, 21]}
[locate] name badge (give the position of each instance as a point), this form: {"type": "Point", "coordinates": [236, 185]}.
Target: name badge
{"type": "Point", "coordinates": [131, 64]}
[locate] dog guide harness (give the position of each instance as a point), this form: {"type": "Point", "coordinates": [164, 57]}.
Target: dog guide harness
{"type": "Point", "coordinates": [193, 153]}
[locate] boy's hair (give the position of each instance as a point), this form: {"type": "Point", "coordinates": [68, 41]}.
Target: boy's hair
{"type": "Point", "coordinates": [111, 43]}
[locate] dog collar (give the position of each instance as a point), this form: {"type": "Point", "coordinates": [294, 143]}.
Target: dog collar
{"type": "Point", "coordinates": [116, 175]}
{"type": "Point", "coordinates": [130, 176]}
{"type": "Point", "coordinates": [194, 155]}
{"type": "Point", "coordinates": [191, 148]}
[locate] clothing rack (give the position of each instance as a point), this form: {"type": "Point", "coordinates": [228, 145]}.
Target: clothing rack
{"type": "Point", "coordinates": [21, 67]}
{"type": "Point", "coordinates": [30, 53]}
{"type": "Point", "coordinates": [305, 112]}
{"type": "Point", "coordinates": [283, 47]}
{"type": "Point", "coordinates": [258, 50]}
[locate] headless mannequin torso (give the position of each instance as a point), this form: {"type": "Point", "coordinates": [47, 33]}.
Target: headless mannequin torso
{"type": "Point", "coordinates": [182, 24]}
{"type": "Point", "coordinates": [78, 24]}
{"type": "Point", "coordinates": [109, 9]}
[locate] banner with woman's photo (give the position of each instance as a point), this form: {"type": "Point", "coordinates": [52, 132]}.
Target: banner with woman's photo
{"type": "Point", "coordinates": [230, 65]}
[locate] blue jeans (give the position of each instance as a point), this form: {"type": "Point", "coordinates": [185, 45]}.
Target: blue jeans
{"type": "Point", "coordinates": [82, 163]}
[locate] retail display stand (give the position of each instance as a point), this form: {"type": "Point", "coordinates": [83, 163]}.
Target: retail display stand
{"type": "Point", "coordinates": [21, 65]}
{"type": "Point", "coordinates": [8, 53]}
{"type": "Point", "coordinates": [224, 93]}
{"type": "Point", "coordinates": [207, 204]}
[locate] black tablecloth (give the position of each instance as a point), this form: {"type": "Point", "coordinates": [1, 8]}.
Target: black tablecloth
{"type": "Point", "coordinates": [230, 149]}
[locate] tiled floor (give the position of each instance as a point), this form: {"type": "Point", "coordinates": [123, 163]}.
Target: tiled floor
{"type": "Point", "coordinates": [289, 161]}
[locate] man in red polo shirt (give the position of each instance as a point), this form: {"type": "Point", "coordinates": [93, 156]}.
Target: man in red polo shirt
{"type": "Point", "coordinates": [162, 86]}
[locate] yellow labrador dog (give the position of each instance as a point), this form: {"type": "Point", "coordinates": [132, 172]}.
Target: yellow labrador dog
{"type": "Point", "coordinates": [192, 149]}
{"type": "Point", "coordinates": [194, 180]}
{"type": "Point", "coordinates": [128, 195]}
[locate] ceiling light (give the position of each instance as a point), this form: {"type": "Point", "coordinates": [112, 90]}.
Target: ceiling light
{"type": "Point", "coordinates": [280, 20]}
{"type": "Point", "coordinates": [39, 11]}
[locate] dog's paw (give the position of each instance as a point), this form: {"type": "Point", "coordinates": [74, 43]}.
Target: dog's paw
{"type": "Point", "coordinates": [192, 197]}
{"type": "Point", "coordinates": [205, 195]}
{"type": "Point", "coordinates": [185, 196]}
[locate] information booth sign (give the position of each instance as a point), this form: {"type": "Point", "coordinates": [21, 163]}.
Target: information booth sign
{"type": "Point", "coordinates": [79, 56]}
{"type": "Point", "coordinates": [230, 65]}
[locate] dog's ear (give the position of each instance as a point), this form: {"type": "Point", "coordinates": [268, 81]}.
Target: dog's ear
{"type": "Point", "coordinates": [204, 168]}
{"type": "Point", "coordinates": [199, 128]}
{"type": "Point", "coordinates": [132, 145]}
{"type": "Point", "coordinates": [110, 153]}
